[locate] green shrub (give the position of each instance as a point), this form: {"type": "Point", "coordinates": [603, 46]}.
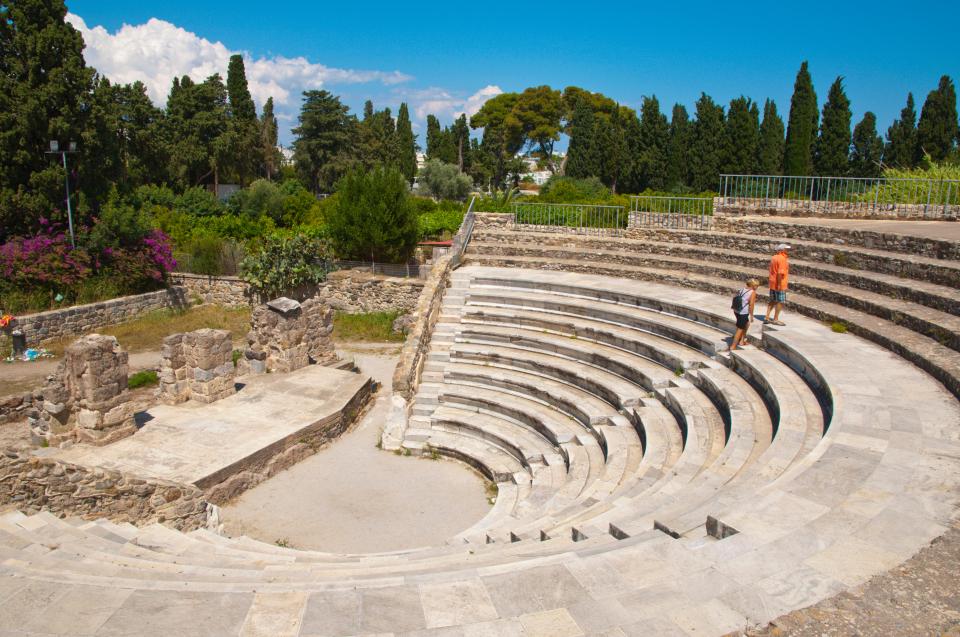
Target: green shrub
{"type": "Point", "coordinates": [283, 261]}
{"type": "Point", "coordinates": [143, 379]}
{"type": "Point", "coordinates": [444, 181]}
{"type": "Point", "coordinates": [559, 189]}
{"type": "Point", "coordinates": [200, 202]}
{"type": "Point", "coordinates": [439, 224]}
{"type": "Point", "coordinates": [373, 217]}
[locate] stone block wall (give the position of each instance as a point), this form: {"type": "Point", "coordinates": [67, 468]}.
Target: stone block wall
{"type": "Point", "coordinates": [197, 366]}
{"type": "Point", "coordinates": [32, 484]}
{"type": "Point", "coordinates": [833, 209]}
{"type": "Point", "coordinates": [72, 321]}
{"type": "Point", "coordinates": [286, 335]}
{"type": "Point", "coordinates": [87, 399]}
{"type": "Point", "coordinates": [230, 291]}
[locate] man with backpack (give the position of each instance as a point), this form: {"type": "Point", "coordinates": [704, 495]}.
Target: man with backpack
{"type": "Point", "coordinates": [743, 302]}
{"type": "Point", "coordinates": [779, 271]}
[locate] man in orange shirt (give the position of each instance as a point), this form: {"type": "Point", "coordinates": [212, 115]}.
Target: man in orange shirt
{"type": "Point", "coordinates": [779, 271]}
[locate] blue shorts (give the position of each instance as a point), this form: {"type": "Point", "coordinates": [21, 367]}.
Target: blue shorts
{"type": "Point", "coordinates": [778, 296]}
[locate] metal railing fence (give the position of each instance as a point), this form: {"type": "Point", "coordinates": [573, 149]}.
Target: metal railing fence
{"type": "Point", "coordinates": [464, 234]}
{"type": "Point", "coordinates": [683, 213]}
{"type": "Point", "coordinates": [402, 270]}
{"type": "Point", "coordinates": [580, 218]}
{"type": "Point", "coordinates": [927, 198]}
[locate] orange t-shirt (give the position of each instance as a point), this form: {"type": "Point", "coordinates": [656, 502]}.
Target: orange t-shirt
{"type": "Point", "coordinates": [779, 266]}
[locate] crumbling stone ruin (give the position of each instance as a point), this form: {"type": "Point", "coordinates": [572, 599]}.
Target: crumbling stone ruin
{"type": "Point", "coordinates": [86, 400]}
{"type": "Point", "coordinates": [198, 366]}
{"type": "Point", "coordinates": [286, 335]}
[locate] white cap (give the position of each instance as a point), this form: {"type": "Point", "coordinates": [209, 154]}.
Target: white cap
{"type": "Point", "coordinates": [783, 246]}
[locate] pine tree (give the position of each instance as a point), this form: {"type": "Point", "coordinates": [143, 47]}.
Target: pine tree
{"type": "Point", "coordinates": [323, 148]}
{"type": "Point", "coordinates": [44, 84]}
{"type": "Point", "coordinates": [742, 137]}
{"type": "Point", "coordinates": [770, 150]}
{"type": "Point", "coordinates": [937, 130]}
{"type": "Point", "coordinates": [653, 139]}
{"type": "Point", "coordinates": [832, 150]}
{"type": "Point", "coordinates": [583, 156]}
{"type": "Point", "coordinates": [407, 144]}
{"type": "Point", "coordinates": [706, 148]}
{"type": "Point", "coordinates": [678, 149]}
{"type": "Point", "coordinates": [867, 149]}
{"type": "Point", "coordinates": [902, 149]}
{"type": "Point", "coordinates": [268, 140]}
{"type": "Point", "coordinates": [801, 126]}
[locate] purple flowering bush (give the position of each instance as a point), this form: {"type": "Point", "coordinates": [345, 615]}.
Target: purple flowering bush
{"type": "Point", "coordinates": [35, 269]}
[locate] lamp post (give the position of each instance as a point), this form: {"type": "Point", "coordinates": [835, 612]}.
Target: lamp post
{"type": "Point", "coordinates": [55, 150]}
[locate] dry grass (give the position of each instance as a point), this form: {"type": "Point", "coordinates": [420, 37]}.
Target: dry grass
{"type": "Point", "coordinates": [146, 333]}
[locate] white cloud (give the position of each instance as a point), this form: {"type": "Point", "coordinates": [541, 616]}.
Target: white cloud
{"type": "Point", "coordinates": [157, 51]}
{"type": "Point", "coordinates": [440, 102]}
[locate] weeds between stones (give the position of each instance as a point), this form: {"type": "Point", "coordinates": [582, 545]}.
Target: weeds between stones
{"type": "Point", "coordinates": [839, 327]}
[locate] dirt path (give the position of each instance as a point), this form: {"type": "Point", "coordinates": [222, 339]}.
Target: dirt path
{"type": "Point", "coordinates": [353, 497]}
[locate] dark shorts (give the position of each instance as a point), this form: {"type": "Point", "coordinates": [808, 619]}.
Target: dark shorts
{"type": "Point", "coordinates": [743, 320]}
{"type": "Point", "coordinates": [778, 296]}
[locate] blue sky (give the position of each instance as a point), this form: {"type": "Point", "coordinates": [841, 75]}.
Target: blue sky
{"type": "Point", "coordinates": [446, 58]}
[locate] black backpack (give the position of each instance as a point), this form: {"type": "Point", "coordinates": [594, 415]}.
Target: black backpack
{"type": "Point", "coordinates": [737, 304]}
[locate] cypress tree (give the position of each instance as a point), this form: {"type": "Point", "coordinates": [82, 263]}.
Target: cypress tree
{"type": "Point", "coordinates": [238, 92]}
{"type": "Point", "coordinates": [268, 140]}
{"type": "Point", "coordinates": [678, 148]}
{"type": "Point", "coordinates": [937, 130]}
{"type": "Point", "coordinates": [583, 159]}
{"type": "Point", "coordinates": [770, 150]}
{"type": "Point", "coordinates": [460, 133]}
{"type": "Point", "coordinates": [706, 149]}
{"type": "Point", "coordinates": [407, 143]}
{"type": "Point", "coordinates": [832, 153]}
{"type": "Point", "coordinates": [241, 141]}
{"type": "Point", "coordinates": [867, 148]}
{"type": "Point", "coordinates": [801, 126]}
{"type": "Point", "coordinates": [615, 158]}
{"type": "Point", "coordinates": [434, 134]}
{"type": "Point", "coordinates": [902, 149]}
{"type": "Point", "coordinates": [654, 138]}
{"type": "Point", "coordinates": [742, 136]}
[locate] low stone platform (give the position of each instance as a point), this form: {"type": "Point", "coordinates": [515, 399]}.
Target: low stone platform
{"type": "Point", "coordinates": [249, 432]}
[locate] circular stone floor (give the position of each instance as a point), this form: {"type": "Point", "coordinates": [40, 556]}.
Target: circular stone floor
{"type": "Point", "coordinates": [354, 498]}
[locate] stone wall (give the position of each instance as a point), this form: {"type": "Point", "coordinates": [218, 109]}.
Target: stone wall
{"type": "Point", "coordinates": [86, 400]}
{"type": "Point", "coordinates": [197, 365]}
{"type": "Point", "coordinates": [349, 291]}
{"type": "Point", "coordinates": [406, 376]}
{"type": "Point", "coordinates": [80, 319]}
{"type": "Point", "coordinates": [286, 335]}
{"type": "Point", "coordinates": [16, 406]}
{"type": "Point", "coordinates": [229, 291]}
{"type": "Point", "coordinates": [832, 209]}
{"type": "Point", "coordinates": [33, 484]}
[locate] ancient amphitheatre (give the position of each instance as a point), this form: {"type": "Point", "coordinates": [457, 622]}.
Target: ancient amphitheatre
{"type": "Point", "coordinates": [648, 482]}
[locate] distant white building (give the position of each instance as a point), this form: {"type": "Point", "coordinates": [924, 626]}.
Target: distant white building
{"type": "Point", "coordinates": [286, 156]}
{"type": "Point", "coordinates": [421, 160]}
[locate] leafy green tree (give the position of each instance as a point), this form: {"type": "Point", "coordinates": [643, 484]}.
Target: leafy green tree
{"type": "Point", "coordinates": [937, 130]}
{"type": "Point", "coordinates": [268, 140]}
{"type": "Point", "coordinates": [261, 199]}
{"type": "Point", "coordinates": [584, 152]}
{"type": "Point", "coordinates": [378, 144]}
{"type": "Point", "coordinates": [742, 137]}
{"type": "Point", "coordinates": [500, 142]}
{"type": "Point", "coordinates": [407, 144]}
{"type": "Point", "coordinates": [832, 150]}
{"type": "Point", "coordinates": [801, 126]}
{"type": "Point", "coordinates": [323, 149]}
{"type": "Point", "coordinates": [867, 149]}
{"type": "Point", "coordinates": [44, 85]}
{"type": "Point", "coordinates": [536, 118]}
{"type": "Point", "coordinates": [282, 263]}
{"type": "Point", "coordinates": [902, 149]}
{"type": "Point", "coordinates": [678, 149]}
{"type": "Point", "coordinates": [195, 128]}
{"type": "Point", "coordinates": [434, 134]}
{"type": "Point", "coordinates": [373, 217]}
{"type": "Point", "coordinates": [654, 139]}
{"type": "Point", "coordinates": [706, 149]}
{"type": "Point", "coordinates": [444, 181]}
{"type": "Point", "coordinates": [770, 149]}
{"type": "Point", "coordinates": [243, 142]}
